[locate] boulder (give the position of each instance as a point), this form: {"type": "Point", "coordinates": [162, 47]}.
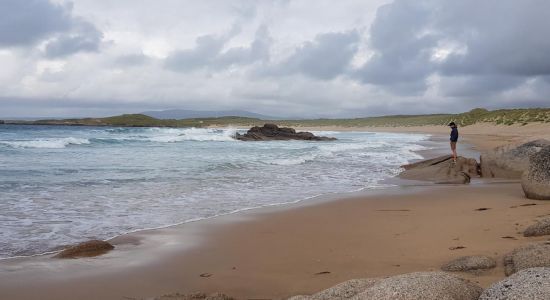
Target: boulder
{"type": "Point", "coordinates": [526, 284]}
{"type": "Point", "coordinates": [342, 291]}
{"type": "Point", "coordinates": [270, 132]}
{"type": "Point", "coordinates": [542, 227]}
{"type": "Point", "coordinates": [536, 181]}
{"type": "Point", "coordinates": [469, 263]}
{"type": "Point", "coordinates": [442, 170]}
{"type": "Point", "coordinates": [530, 256]}
{"type": "Point", "coordinates": [509, 161]}
{"type": "Point", "coordinates": [194, 296]}
{"type": "Point", "coordinates": [422, 285]}
{"type": "Point", "coordinates": [86, 249]}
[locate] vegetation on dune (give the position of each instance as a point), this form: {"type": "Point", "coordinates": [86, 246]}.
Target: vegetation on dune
{"type": "Point", "coordinates": [478, 115]}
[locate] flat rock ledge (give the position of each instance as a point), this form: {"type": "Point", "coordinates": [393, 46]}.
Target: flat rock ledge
{"type": "Point", "coordinates": [469, 264]}
{"type": "Point", "coordinates": [272, 132]}
{"type": "Point", "coordinates": [442, 170]}
{"type": "Point", "coordinates": [542, 227]}
{"type": "Point", "coordinates": [530, 256]}
{"type": "Point", "coordinates": [419, 285]}
{"type": "Point", "coordinates": [86, 249]}
{"type": "Point", "coordinates": [531, 283]}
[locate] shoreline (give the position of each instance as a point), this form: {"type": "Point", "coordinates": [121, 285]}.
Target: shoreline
{"type": "Point", "coordinates": [194, 246]}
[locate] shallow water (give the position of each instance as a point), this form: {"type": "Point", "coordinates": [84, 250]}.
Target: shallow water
{"type": "Point", "coordinates": [60, 185]}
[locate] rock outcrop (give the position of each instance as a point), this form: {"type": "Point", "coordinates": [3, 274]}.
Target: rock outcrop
{"type": "Point", "coordinates": [536, 180]}
{"type": "Point", "coordinates": [530, 256]}
{"type": "Point", "coordinates": [194, 296]}
{"type": "Point", "coordinates": [469, 263]}
{"type": "Point", "coordinates": [420, 285]}
{"type": "Point", "coordinates": [527, 284]}
{"type": "Point", "coordinates": [442, 170]}
{"type": "Point", "coordinates": [270, 132]}
{"type": "Point", "coordinates": [345, 290]}
{"type": "Point", "coordinates": [86, 249]}
{"type": "Point", "coordinates": [542, 227]}
{"type": "Point", "coordinates": [509, 161]}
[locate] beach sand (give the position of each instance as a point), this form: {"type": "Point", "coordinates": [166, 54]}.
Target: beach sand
{"type": "Point", "coordinates": [277, 252]}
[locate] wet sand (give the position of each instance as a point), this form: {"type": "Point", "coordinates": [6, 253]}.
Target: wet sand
{"type": "Point", "coordinates": [281, 251]}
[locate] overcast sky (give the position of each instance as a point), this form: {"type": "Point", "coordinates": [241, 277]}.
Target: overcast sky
{"type": "Point", "coordinates": [279, 57]}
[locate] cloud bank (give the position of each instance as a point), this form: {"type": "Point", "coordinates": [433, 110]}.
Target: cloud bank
{"type": "Point", "coordinates": [287, 58]}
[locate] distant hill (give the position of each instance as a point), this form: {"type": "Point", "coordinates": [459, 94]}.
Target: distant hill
{"type": "Point", "coordinates": [179, 114]}
{"type": "Point", "coordinates": [478, 115]}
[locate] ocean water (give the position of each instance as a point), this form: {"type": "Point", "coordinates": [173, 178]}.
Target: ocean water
{"type": "Point", "coordinates": [60, 185]}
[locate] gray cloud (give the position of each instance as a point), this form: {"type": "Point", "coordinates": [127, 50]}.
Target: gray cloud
{"type": "Point", "coordinates": [84, 38]}
{"type": "Point", "coordinates": [502, 45]}
{"type": "Point", "coordinates": [208, 52]}
{"type": "Point", "coordinates": [326, 57]}
{"type": "Point", "coordinates": [27, 22]}
{"type": "Point", "coordinates": [401, 60]}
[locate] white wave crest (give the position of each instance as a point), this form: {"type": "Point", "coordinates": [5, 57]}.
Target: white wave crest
{"type": "Point", "coordinates": [49, 143]}
{"type": "Point", "coordinates": [171, 135]}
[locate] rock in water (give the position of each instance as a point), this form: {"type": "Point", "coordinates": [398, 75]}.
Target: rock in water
{"type": "Point", "coordinates": [270, 132]}
{"type": "Point", "coordinates": [86, 249]}
{"type": "Point", "coordinates": [536, 181]}
{"type": "Point", "coordinates": [509, 161]}
{"type": "Point", "coordinates": [422, 285]}
{"type": "Point", "coordinates": [542, 227]}
{"type": "Point", "coordinates": [530, 256]}
{"type": "Point", "coordinates": [442, 170]}
{"type": "Point", "coordinates": [469, 263]}
{"type": "Point", "coordinates": [527, 284]}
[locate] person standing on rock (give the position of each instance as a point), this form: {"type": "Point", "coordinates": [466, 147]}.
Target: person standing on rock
{"type": "Point", "coordinates": [454, 139]}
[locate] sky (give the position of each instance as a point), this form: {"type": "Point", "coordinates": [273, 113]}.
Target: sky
{"type": "Point", "coordinates": [286, 58]}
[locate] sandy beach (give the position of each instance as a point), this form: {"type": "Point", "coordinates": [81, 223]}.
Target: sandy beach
{"type": "Point", "coordinates": [277, 252]}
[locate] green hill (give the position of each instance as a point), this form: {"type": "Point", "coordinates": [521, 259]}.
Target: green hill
{"type": "Point", "coordinates": [478, 115]}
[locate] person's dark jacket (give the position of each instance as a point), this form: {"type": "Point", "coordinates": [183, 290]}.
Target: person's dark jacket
{"type": "Point", "coordinates": [454, 134]}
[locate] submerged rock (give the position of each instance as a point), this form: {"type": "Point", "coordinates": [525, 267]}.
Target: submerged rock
{"type": "Point", "coordinates": [270, 132]}
{"type": "Point", "coordinates": [540, 228]}
{"type": "Point", "coordinates": [469, 263]}
{"type": "Point", "coordinates": [509, 161]}
{"type": "Point", "coordinates": [536, 181]}
{"type": "Point", "coordinates": [86, 249]}
{"type": "Point", "coordinates": [527, 284]}
{"type": "Point", "coordinates": [530, 256]}
{"type": "Point", "coordinates": [442, 170]}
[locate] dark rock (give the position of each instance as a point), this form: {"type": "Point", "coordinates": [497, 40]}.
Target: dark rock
{"type": "Point", "coordinates": [2, 122]}
{"type": "Point", "coordinates": [86, 249]}
{"type": "Point", "coordinates": [531, 283]}
{"type": "Point", "coordinates": [509, 161]}
{"type": "Point", "coordinates": [270, 132]}
{"type": "Point", "coordinates": [344, 290]}
{"type": "Point", "coordinates": [536, 181]}
{"type": "Point", "coordinates": [442, 170]}
{"type": "Point", "coordinates": [422, 285]}
{"type": "Point", "coordinates": [469, 263]}
{"type": "Point", "coordinates": [530, 256]}
{"type": "Point", "coordinates": [542, 227]}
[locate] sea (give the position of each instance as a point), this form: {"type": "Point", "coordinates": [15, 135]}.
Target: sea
{"type": "Point", "coordinates": [60, 185]}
